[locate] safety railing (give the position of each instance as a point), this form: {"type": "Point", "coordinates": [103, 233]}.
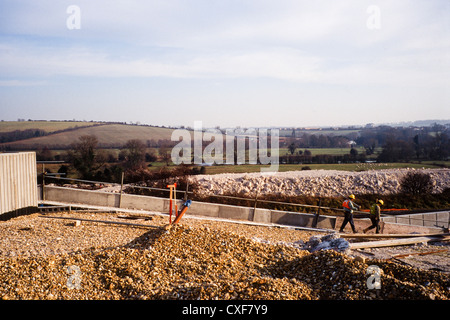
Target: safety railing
{"type": "Point", "coordinates": [420, 219]}
{"type": "Point", "coordinates": [255, 201]}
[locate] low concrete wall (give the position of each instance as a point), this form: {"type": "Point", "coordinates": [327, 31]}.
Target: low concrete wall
{"type": "Point", "coordinates": [104, 199]}
{"type": "Point", "coordinates": [214, 210]}
{"type": "Point", "coordinates": [431, 219]}
{"type": "Point", "coordinates": [386, 227]}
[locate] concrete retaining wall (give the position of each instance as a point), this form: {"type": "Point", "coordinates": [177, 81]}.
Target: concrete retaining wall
{"type": "Point", "coordinates": [214, 210]}
{"type": "Point", "coordinates": [104, 199]}
{"type": "Point", "coordinates": [431, 219]}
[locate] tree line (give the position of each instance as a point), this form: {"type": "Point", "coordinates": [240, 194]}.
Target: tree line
{"type": "Point", "coordinates": [21, 135]}
{"type": "Point", "coordinates": [305, 157]}
{"type": "Point", "coordinates": [89, 161]}
{"type": "Point", "coordinates": [396, 143]}
{"type": "Point", "coordinates": [406, 144]}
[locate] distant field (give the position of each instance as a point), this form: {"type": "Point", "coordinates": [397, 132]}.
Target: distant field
{"type": "Point", "coordinates": [294, 167]}
{"type": "Point", "coordinates": [299, 132]}
{"type": "Point", "coordinates": [107, 134]}
{"type": "Point", "coordinates": [48, 126]}
{"type": "Point", "coordinates": [317, 151]}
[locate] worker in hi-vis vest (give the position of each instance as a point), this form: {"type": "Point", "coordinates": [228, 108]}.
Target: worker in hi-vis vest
{"type": "Point", "coordinates": [349, 206]}
{"type": "Point", "coordinates": [375, 213]}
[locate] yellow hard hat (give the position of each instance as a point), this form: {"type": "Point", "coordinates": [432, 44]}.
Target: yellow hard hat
{"type": "Point", "coordinates": [381, 202]}
{"type": "Point", "coordinates": [352, 196]}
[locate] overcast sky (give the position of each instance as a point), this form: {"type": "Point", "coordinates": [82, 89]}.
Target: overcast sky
{"type": "Point", "coordinates": [226, 62]}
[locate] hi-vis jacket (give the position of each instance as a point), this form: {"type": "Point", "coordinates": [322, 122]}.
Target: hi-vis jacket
{"type": "Point", "coordinates": [349, 205]}
{"type": "Point", "coordinates": [375, 211]}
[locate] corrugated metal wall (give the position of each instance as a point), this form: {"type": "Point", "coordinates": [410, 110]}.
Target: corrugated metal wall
{"type": "Point", "coordinates": [18, 185]}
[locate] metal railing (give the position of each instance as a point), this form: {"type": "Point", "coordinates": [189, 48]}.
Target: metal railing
{"type": "Point", "coordinates": [422, 218]}
{"type": "Point", "coordinates": [256, 200]}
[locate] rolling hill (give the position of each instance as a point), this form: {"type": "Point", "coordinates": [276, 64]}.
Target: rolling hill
{"type": "Point", "coordinates": [108, 135]}
{"type": "Point", "coordinates": [48, 126]}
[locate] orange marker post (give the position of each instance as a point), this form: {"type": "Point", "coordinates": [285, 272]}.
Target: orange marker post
{"type": "Point", "coordinates": [172, 192]}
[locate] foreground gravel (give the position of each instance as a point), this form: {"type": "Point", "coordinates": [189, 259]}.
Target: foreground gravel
{"type": "Point", "coordinates": [57, 259]}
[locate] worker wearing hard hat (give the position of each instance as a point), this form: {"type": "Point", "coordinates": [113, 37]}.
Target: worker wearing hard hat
{"type": "Point", "coordinates": [375, 212]}
{"type": "Point", "coordinates": [349, 206]}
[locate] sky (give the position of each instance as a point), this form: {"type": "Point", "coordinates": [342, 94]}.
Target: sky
{"type": "Point", "coordinates": [227, 63]}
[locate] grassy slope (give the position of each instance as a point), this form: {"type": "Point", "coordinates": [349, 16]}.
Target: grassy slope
{"type": "Point", "coordinates": [246, 168]}
{"type": "Point", "coordinates": [49, 126]}
{"type": "Point", "coordinates": [106, 134]}
{"type": "Point", "coordinates": [316, 151]}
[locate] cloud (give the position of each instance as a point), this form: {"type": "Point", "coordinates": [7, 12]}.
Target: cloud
{"type": "Point", "coordinates": [305, 41]}
{"type": "Point", "coordinates": [21, 83]}
{"type": "Point", "coordinates": [404, 68]}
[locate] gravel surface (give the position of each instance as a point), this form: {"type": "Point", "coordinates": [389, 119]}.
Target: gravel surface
{"type": "Point", "coordinates": [57, 259]}
{"type": "Point", "coordinates": [35, 236]}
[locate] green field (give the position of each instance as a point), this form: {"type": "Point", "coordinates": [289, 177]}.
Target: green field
{"type": "Point", "coordinates": [247, 168]}
{"type": "Point", "coordinates": [317, 151]}
{"type": "Point", "coordinates": [107, 134]}
{"type": "Point", "coordinates": [48, 126]}
{"type": "Point", "coordinates": [300, 132]}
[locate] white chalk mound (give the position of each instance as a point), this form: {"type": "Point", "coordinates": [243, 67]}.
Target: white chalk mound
{"type": "Point", "coordinates": [326, 183]}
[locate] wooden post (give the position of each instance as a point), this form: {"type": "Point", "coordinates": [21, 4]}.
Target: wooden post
{"type": "Point", "coordinates": [172, 188]}
{"type": "Point", "coordinates": [254, 207]}
{"type": "Point", "coordinates": [316, 216]}
{"type": "Point", "coordinates": [43, 186]}
{"type": "Point", "coordinates": [175, 198]}
{"type": "Point", "coordinates": [121, 189]}
{"type": "Point", "coordinates": [187, 190]}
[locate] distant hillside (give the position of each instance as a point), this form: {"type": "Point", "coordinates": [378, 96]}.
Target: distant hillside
{"type": "Point", "coordinates": [47, 126]}
{"type": "Point", "coordinates": [108, 135]}
{"type": "Point", "coordinates": [420, 123]}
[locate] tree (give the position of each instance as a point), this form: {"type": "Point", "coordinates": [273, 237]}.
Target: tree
{"type": "Point", "coordinates": [440, 146]}
{"type": "Point", "coordinates": [396, 150]}
{"type": "Point", "coordinates": [353, 154]}
{"type": "Point", "coordinates": [83, 156]}
{"type": "Point", "coordinates": [323, 141]}
{"type": "Point", "coordinates": [292, 148]}
{"type": "Point", "coordinates": [44, 155]}
{"type": "Point", "coordinates": [416, 183]}
{"type": "Point", "coordinates": [150, 157]}
{"type": "Point", "coordinates": [135, 155]}
{"type": "Point", "coordinates": [370, 145]}
{"type": "Point", "coordinates": [165, 154]}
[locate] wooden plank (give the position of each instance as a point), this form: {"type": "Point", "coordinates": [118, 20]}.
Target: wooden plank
{"type": "Point", "coordinates": [385, 236]}
{"type": "Point", "coordinates": [396, 242]}
{"type": "Point", "coordinates": [104, 221]}
{"type": "Point", "coordinates": [135, 217]}
{"type": "Point", "coordinates": [418, 253]}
